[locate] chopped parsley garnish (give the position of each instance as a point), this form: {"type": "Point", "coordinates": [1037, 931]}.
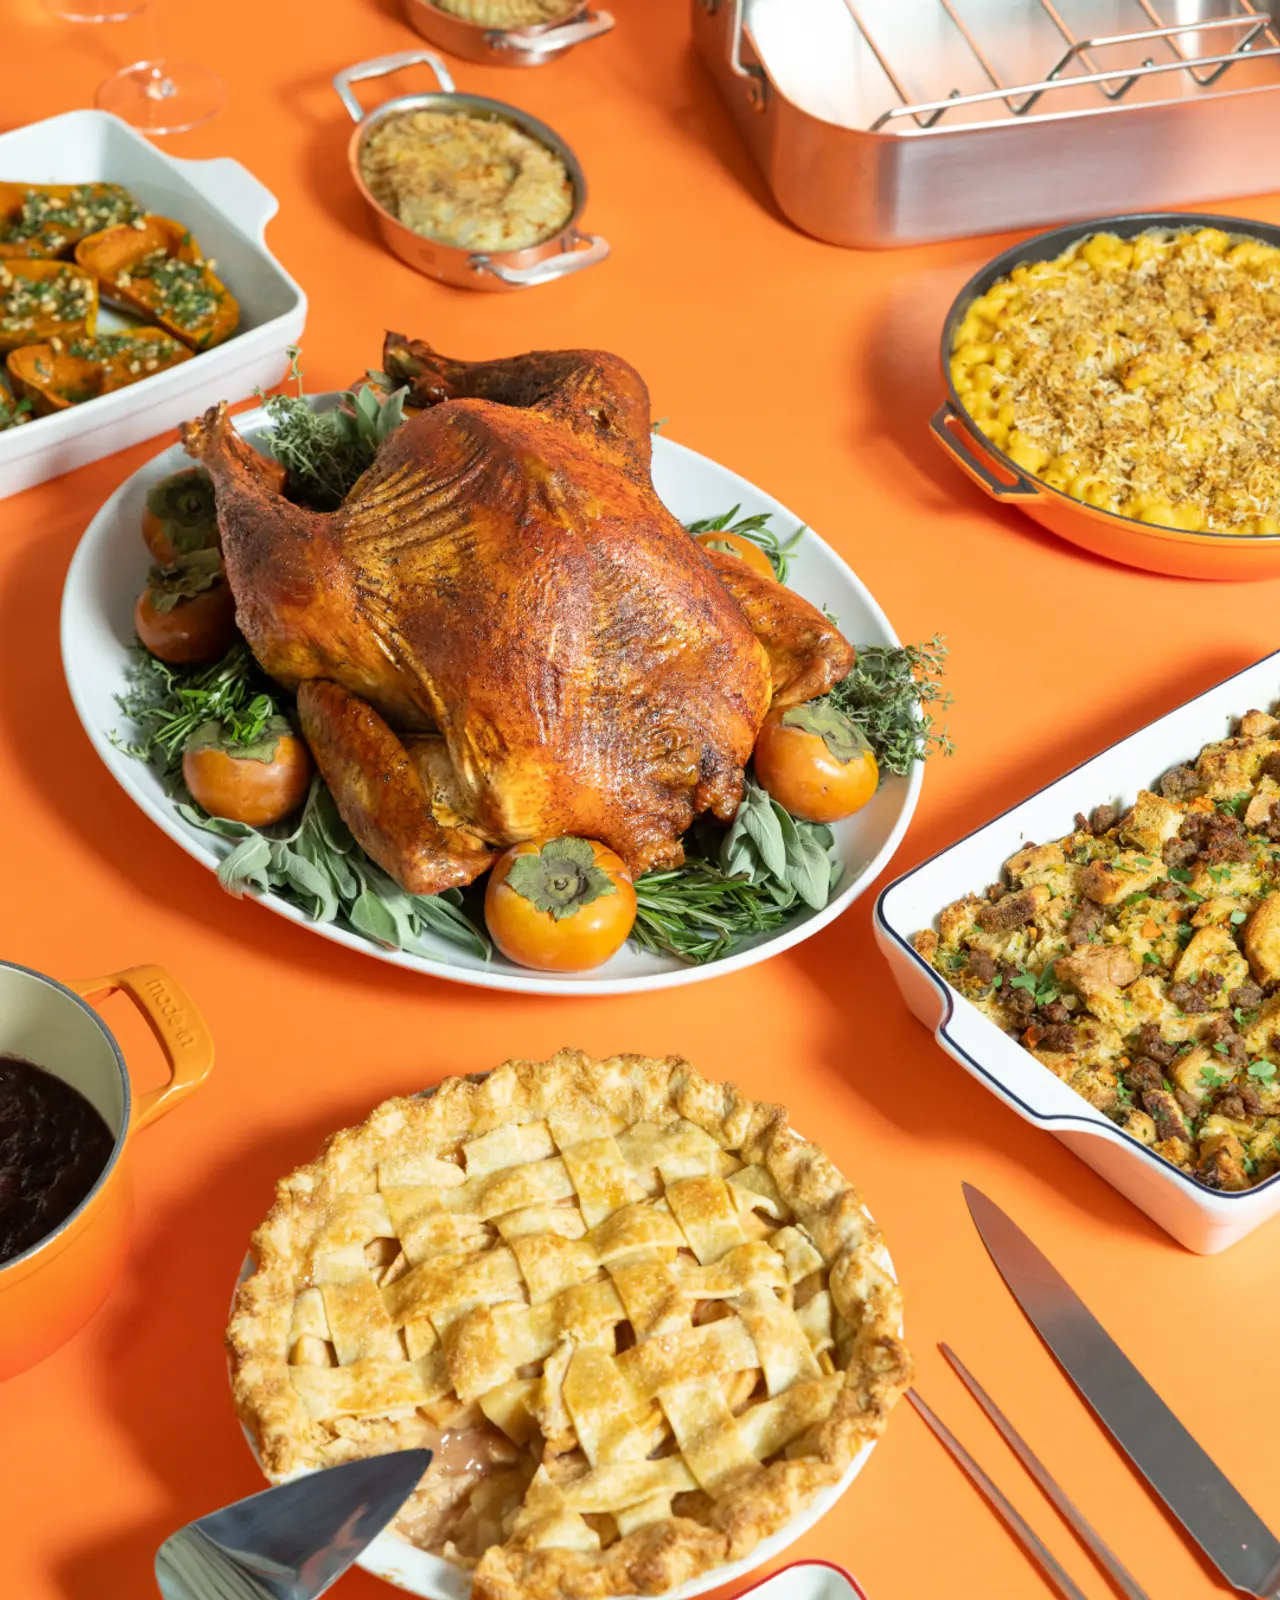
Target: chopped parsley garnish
{"type": "Point", "coordinates": [182, 291]}
{"type": "Point", "coordinates": [64, 296]}
{"type": "Point", "coordinates": [58, 220]}
{"type": "Point", "coordinates": [1211, 1078]}
{"type": "Point", "coordinates": [1263, 1071]}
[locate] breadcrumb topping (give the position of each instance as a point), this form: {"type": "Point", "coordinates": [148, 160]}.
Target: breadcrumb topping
{"type": "Point", "coordinates": [478, 183]}
{"type": "Point", "coordinates": [509, 13]}
{"type": "Point", "coordinates": [1141, 376]}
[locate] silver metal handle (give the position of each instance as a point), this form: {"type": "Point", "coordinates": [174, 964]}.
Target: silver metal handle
{"type": "Point", "coordinates": [752, 77]}
{"type": "Point", "coordinates": [572, 260]}
{"type": "Point", "coordinates": [380, 68]}
{"type": "Point", "coordinates": [553, 40]}
{"type": "Point", "coordinates": [1075, 1519]}
{"type": "Point", "coordinates": [1017, 1524]}
{"type": "Point", "coordinates": [949, 429]}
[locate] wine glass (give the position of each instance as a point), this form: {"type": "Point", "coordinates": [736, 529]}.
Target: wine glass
{"type": "Point", "coordinates": [154, 95]}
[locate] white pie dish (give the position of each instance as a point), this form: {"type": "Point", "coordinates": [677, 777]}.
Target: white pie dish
{"type": "Point", "coordinates": [1204, 1220]}
{"type": "Point", "coordinates": [109, 568]}
{"type": "Point", "coordinates": [227, 210]}
{"type": "Point", "coordinates": [430, 1577]}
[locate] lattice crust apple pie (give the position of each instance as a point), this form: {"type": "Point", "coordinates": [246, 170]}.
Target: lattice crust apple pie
{"type": "Point", "coordinates": [640, 1322]}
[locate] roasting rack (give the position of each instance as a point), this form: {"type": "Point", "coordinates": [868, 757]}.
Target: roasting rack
{"type": "Point", "coordinates": [1030, 108]}
{"type": "Point", "coordinates": [1247, 26]}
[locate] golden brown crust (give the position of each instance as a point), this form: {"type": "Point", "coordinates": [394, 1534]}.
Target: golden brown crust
{"type": "Point", "coordinates": [637, 1089]}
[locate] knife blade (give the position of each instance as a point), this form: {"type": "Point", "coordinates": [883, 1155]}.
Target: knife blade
{"type": "Point", "coordinates": [1195, 1490]}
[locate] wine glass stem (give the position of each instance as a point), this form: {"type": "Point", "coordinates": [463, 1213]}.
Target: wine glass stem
{"type": "Point", "coordinates": [159, 83]}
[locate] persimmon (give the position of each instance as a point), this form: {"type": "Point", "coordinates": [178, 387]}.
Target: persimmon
{"type": "Point", "coordinates": [186, 615]}
{"type": "Point", "coordinates": [180, 515]}
{"type": "Point", "coordinates": [736, 544]}
{"type": "Point", "coordinates": [259, 782]}
{"type": "Point", "coordinates": [815, 762]}
{"type": "Point", "coordinates": [559, 905]}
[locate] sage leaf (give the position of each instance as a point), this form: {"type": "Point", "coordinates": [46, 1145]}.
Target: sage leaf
{"type": "Point", "coordinates": [308, 879]}
{"type": "Point", "coordinates": [368, 915]}
{"type": "Point", "coordinates": [761, 821]}
{"type": "Point", "coordinates": [222, 826]}
{"type": "Point", "coordinates": [437, 916]}
{"type": "Point", "coordinates": [245, 867]}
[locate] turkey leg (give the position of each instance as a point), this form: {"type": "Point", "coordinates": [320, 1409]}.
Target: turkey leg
{"type": "Point", "coordinates": [388, 792]}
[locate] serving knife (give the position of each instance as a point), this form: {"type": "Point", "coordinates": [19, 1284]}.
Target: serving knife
{"type": "Point", "coordinates": [1193, 1488]}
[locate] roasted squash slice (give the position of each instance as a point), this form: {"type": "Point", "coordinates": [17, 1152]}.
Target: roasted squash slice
{"type": "Point", "coordinates": [42, 300]}
{"type": "Point", "coordinates": [49, 219]}
{"type": "Point", "coordinates": [12, 410]}
{"type": "Point", "coordinates": [158, 269]}
{"type": "Point", "coordinates": [54, 378]}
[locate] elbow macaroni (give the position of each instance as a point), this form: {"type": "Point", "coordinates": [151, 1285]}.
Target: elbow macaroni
{"type": "Point", "coordinates": [1140, 376]}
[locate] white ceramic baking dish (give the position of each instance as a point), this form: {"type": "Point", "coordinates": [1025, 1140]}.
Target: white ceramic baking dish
{"type": "Point", "coordinates": [1202, 1219]}
{"type": "Point", "coordinates": [227, 210]}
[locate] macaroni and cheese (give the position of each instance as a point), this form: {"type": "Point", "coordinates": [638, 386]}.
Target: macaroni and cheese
{"type": "Point", "coordinates": [1141, 376]}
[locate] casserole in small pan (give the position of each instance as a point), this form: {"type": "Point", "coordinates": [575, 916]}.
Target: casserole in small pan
{"type": "Point", "coordinates": [1203, 1218]}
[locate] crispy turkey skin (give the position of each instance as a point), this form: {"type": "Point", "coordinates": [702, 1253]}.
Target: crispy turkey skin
{"type": "Point", "coordinates": [504, 579]}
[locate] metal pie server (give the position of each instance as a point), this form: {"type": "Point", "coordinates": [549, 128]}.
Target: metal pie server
{"type": "Point", "coordinates": [290, 1542]}
{"type": "Point", "coordinates": [1220, 1520]}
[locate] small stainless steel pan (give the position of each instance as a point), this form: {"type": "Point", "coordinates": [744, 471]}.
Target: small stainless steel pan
{"type": "Point", "coordinates": [564, 252]}
{"type": "Point", "coordinates": [506, 47]}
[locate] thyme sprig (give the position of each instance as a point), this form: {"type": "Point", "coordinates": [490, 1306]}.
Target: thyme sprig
{"type": "Point", "coordinates": [326, 452]}
{"type": "Point", "coordinates": [890, 693]}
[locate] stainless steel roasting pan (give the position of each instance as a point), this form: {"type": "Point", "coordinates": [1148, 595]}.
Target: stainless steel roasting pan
{"type": "Point", "coordinates": [891, 122]}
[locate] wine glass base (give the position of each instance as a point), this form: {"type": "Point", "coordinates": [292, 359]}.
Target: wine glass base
{"type": "Point", "coordinates": [94, 10]}
{"type": "Point", "coordinates": [161, 96]}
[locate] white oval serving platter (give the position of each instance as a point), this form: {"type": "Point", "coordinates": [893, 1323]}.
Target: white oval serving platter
{"type": "Point", "coordinates": [108, 571]}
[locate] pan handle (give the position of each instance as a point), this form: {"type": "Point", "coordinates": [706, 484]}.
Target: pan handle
{"type": "Point", "coordinates": [554, 40]}
{"type": "Point", "coordinates": [949, 430]}
{"type": "Point", "coordinates": [380, 67]}
{"type": "Point", "coordinates": [571, 260]}
{"type": "Point", "coordinates": [752, 77]}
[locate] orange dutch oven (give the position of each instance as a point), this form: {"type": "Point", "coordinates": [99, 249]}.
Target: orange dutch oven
{"type": "Point", "coordinates": [52, 1289]}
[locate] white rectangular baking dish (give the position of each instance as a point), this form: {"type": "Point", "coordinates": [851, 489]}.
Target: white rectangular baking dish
{"type": "Point", "coordinates": [1202, 1219]}
{"type": "Point", "coordinates": [227, 210]}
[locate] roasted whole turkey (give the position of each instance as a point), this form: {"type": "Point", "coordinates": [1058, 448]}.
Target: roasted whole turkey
{"type": "Point", "coordinates": [502, 634]}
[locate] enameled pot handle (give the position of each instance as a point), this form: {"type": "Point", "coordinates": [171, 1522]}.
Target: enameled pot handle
{"type": "Point", "coordinates": [553, 267]}
{"type": "Point", "coordinates": [179, 1029]}
{"type": "Point", "coordinates": [950, 431]}
{"type": "Point", "coordinates": [554, 39]}
{"type": "Point", "coordinates": [379, 68]}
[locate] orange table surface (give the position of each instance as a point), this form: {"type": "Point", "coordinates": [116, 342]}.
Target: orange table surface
{"type": "Point", "coordinates": [811, 370]}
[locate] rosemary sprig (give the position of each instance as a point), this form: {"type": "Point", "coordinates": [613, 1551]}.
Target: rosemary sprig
{"type": "Point", "coordinates": [757, 529]}
{"type": "Point", "coordinates": [699, 913]}
{"type": "Point", "coordinates": [167, 704]}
